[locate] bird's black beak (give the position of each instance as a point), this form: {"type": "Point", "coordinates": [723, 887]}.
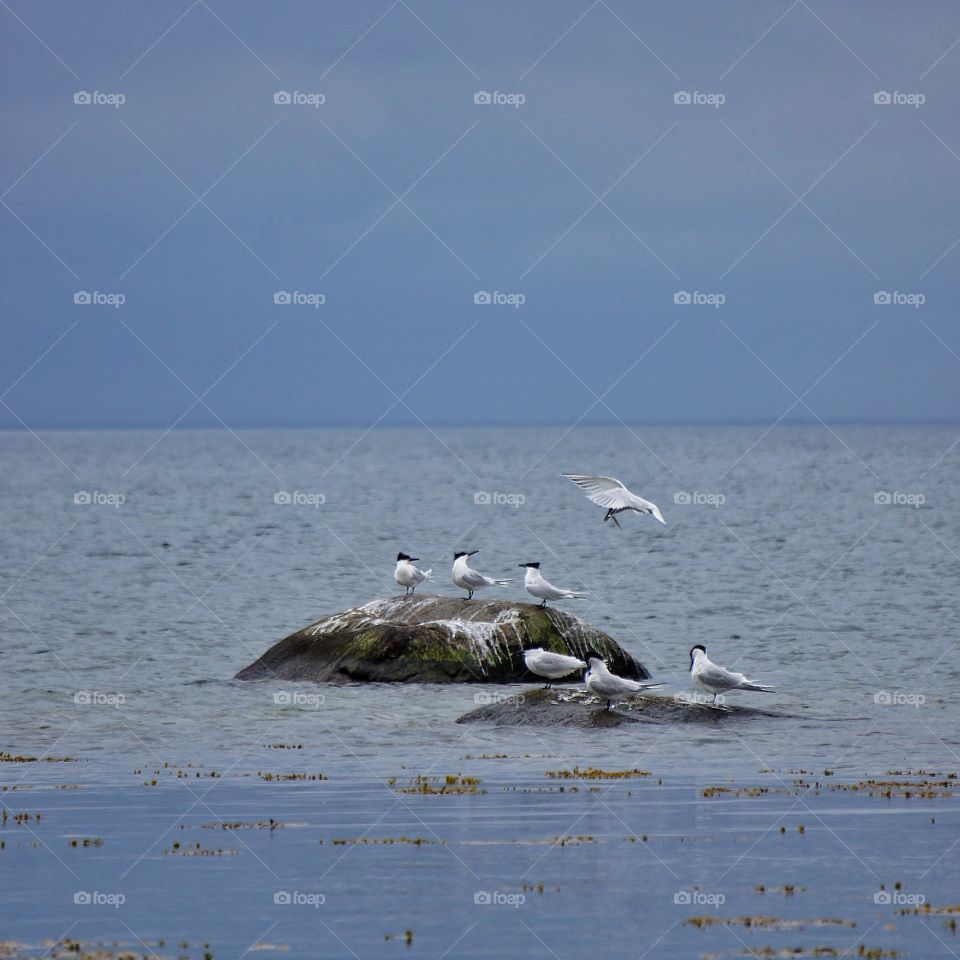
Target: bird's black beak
{"type": "Point", "coordinates": [413, 558]}
{"type": "Point", "coordinates": [472, 552]}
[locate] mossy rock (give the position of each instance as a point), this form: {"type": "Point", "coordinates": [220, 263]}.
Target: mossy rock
{"type": "Point", "coordinates": [431, 639]}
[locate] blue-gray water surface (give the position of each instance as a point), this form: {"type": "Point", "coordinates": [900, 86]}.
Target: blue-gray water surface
{"type": "Point", "coordinates": [173, 811]}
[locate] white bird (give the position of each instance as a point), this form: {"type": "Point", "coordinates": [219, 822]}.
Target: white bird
{"type": "Point", "coordinates": [609, 686]}
{"type": "Point", "coordinates": [542, 589]}
{"type": "Point", "coordinates": [553, 666]}
{"type": "Point", "coordinates": [407, 575]}
{"type": "Point", "coordinates": [715, 679]}
{"type": "Point", "coordinates": [465, 577]}
{"type": "Point", "coordinates": [611, 493]}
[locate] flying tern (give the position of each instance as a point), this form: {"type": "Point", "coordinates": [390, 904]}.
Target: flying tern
{"type": "Point", "coordinates": [407, 575]}
{"type": "Point", "coordinates": [553, 666]}
{"type": "Point", "coordinates": [715, 679]}
{"type": "Point", "coordinates": [611, 493]}
{"type": "Point", "coordinates": [465, 577]}
{"type": "Point", "coordinates": [542, 589]}
{"type": "Point", "coordinates": [608, 686]}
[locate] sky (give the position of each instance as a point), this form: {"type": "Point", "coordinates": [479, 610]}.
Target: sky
{"type": "Point", "coordinates": [478, 213]}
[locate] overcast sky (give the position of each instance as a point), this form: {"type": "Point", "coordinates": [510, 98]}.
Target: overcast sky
{"type": "Point", "coordinates": [782, 197]}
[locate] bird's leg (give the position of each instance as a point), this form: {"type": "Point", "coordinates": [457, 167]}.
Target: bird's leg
{"type": "Point", "coordinates": [469, 594]}
{"type": "Point", "coordinates": [608, 706]}
{"type": "Point", "coordinates": [714, 701]}
{"type": "Point", "coordinates": [543, 605]}
{"type": "Point", "coordinates": [616, 521]}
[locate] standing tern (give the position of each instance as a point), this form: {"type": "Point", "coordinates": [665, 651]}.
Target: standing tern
{"type": "Point", "coordinates": [407, 575]}
{"type": "Point", "coordinates": [553, 666]}
{"type": "Point", "coordinates": [542, 589]}
{"type": "Point", "coordinates": [608, 686]}
{"type": "Point", "coordinates": [715, 679]}
{"type": "Point", "coordinates": [611, 493]}
{"type": "Point", "coordinates": [465, 577]}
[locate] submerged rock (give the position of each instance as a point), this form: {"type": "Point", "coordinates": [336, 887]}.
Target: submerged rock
{"type": "Point", "coordinates": [431, 639]}
{"type": "Point", "coordinates": [574, 707]}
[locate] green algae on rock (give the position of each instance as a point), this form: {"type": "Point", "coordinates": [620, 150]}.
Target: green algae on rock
{"type": "Point", "coordinates": [431, 639]}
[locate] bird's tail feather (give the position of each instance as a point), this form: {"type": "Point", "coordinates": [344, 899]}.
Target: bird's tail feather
{"type": "Point", "coordinates": [502, 583]}
{"type": "Point", "coordinates": [759, 687]}
{"type": "Point", "coordinates": [428, 574]}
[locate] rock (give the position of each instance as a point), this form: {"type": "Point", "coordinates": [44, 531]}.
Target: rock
{"type": "Point", "coordinates": [574, 707]}
{"type": "Point", "coordinates": [431, 639]}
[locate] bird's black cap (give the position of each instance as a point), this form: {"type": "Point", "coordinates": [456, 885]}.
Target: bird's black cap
{"type": "Point", "coordinates": [464, 553]}
{"type": "Point", "coordinates": [402, 556]}
{"type": "Point", "coordinates": [536, 565]}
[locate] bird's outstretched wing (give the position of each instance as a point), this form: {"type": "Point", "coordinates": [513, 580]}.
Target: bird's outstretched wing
{"type": "Point", "coordinates": [605, 491]}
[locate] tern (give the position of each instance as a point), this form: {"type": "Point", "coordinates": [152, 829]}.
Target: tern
{"type": "Point", "coordinates": [407, 575]}
{"type": "Point", "coordinates": [611, 493]}
{"type": "Point", "coordinates": [608, 686]}
{"type": "Point", "coordinates": [542, 589]}
{"type": "Point", "coordinates": [553, 666]}
{"type": "Point", "coordinates": [715, 679]}
{"type": "Point", "coordinates": [465, 577]}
